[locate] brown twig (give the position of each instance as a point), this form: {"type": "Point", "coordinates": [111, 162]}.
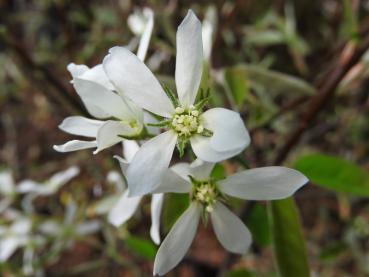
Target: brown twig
{"type": "Point", "coordinates": [45, 79]}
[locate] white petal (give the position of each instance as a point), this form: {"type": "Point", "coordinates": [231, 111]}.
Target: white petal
{"type": "Point", "coordinates": [81, 126]}
{"type": "Point", "coordinates": [203, 150]}
{"type": "Point", "coordinates": [198, 169]}
{"type": "Point", "coordinates": [132, 78]}
{"type": "Point", "coordinates": [189, 59]}
{"type": "Point", "coordinates": [27, 186]}
{"type": "Point", "coordinates": [74, 145]}
{"type": "Point", "coordinates": [229, 131]}
{"type": "Point", "coordinates": [123, 209]}
{"type": "Point", "coordinates": [123, 163]}
{"type": "Point", "coordinates": [145, 38]}
{"type": "Point", "coordinates": [101, 102]}
{"type": "Point", "coordinates": [265, 183]}
{"type": "Point", "coordinates": [7, 185]}
{"type": "Point", "coordinates": [130, 148]}
{"type": "Point", "coordinates": [117, 180]}
{"type": "Point", "coordinates": [7, 247]}
{"type": "Point", "coordinates": [150, 163]}
{"type": "Point", "coordinates": [149, 118]}
{"type": "Point", "coordinates": [230, 230]}
{"type": "Point", "coordinates": [77, 70]}
{"type": "Point", "coordinates": [61, 178]}
{"type": "Point", "coordinates": [172, 182]}
{"type": "Point", "coordinates": [109, 134]}
{"type": "Point", "coordinates": [209, 25]}
{"type": "Point", "coordinates": [201, 170]}
{"type": "Point", "coordinates": [178, 240]}
{"type": "Point", "coordinates": [97, 75]}
{"type": "Point", "coordinates": [156, 206]}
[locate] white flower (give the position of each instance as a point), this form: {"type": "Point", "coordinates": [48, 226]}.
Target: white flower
{"type": "Point", "coordinates": [124, 208]}
{"type": "Point", "coordinates": [121, 117]}
{"type": "Point", "coordinates": [13, 237]}
{"type": "Point", "coordinates": [214, 135]}
{"type": "Point", "coordinates": [207, 195]}
{"type": "Point", "coordinates": [50, 186]}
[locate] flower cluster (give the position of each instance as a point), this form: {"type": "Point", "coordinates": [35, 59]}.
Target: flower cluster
{"type": "Point", "coordinates": [151, 120]}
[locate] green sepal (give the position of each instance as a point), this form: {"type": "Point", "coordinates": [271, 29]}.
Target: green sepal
{"type": "Point", "coordinates": [143, 135]}
{"type": "Point", "coordinates": [162, 123]}
{"type": "Point", "coordinates": [206, 133]}
{"type": "Point", "coordinates": [171, 96]}
{"type": "Point", "coordinates": [181, 145]}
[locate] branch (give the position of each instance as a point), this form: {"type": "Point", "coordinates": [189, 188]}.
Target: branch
{"type": "Point", "coordinates": [350, 55]}
{"type": "Point", "coordinates": [48, 83]}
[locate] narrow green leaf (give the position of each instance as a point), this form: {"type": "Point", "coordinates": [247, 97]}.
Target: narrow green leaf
{"type": "Point", "coordinates": [257, 222]}
{"type": "Point", "coordinates": [288, 241]}
{"type": "Point", "coordinates": [237, 84]}
{"type": "Point", "coordinates": [334, 173]}
{"type": "Point", "coordinates": [175, 204]}
{"type": "Point", "coordinates": [142, 247]}
{"type": "Point", "coordinates": [273, 81]}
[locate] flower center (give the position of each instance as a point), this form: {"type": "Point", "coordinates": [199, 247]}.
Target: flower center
{"type": "Point", "coordinates": [186, 122]}
{"type": "Point", "coordinates": [205, 193]}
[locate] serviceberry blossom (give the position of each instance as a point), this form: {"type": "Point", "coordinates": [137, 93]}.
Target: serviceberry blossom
{"type": "Point", "coordinates": [118, 117]}
{"type": "Point", "coordinates": [207, 197]}
{"type": "Point", "coordinates": [214, 135]}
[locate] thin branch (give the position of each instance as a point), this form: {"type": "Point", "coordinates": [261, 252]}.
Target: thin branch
{"type": "Point", "coordinates": [44, 78]}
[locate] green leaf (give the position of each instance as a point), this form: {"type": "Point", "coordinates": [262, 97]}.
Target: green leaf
{"type": "Point", "coordinates": [218, 172]}
{"type": "Point", "coordinates": [142, 247]}
{"type": "Point", "coordinates": [334, 173]}
{"type": "Point", "coordinates": [175, 204]}
{"type": "Point", "coordinates": [288, 241]}
{"type": "Point", "coordinates": [275, 82]}
{"type": "Point", "coordinates": [257, 222]}
{"type": "Point", "coordinates": [237, 84]}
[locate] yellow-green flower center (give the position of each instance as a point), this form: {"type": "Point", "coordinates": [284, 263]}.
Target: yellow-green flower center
{"type": "Point", "coordinates": [186, 122]}
{"type": "Point", "coordinates": [205, 193]}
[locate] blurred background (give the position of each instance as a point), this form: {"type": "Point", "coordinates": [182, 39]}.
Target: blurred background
{"type": "Point", "coordinates": [268, 60]}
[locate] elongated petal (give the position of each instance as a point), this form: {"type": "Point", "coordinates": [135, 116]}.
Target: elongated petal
{"type": "Point", "coordinates": [101, 102]}
{"type": "Point", "coordinates": [172, 182]}
{"type": "Point", "coordinates": [203, 150]}
{"type": "Point", "coordinates": [123, 209]}
{"type": "Point", "coordinates": [74, 145]}
{"type": "Point", "coordinates": [61, 178]}
{"type": "Point", "coordinates": [27, 186]}
{"type": "Point", "coordinates": [145, 38]}
{"type": "Point", "coordinates": [8, 247]}
{"type": "Point", "coordinates": [209, 25]}
{"type": "Point", "coordinates": [7, 185]}
{"type": "Point", "coordinates": [81, 126]}
{"type": "Point", "coordinates": [228, 129]}
{"type": "Point", "coordinates": [156, 206]}
{"type": "Point", "coordinates": [110, 133]}
{"type": "Point", "coordinates": [132, 78]}
{"type": "Point", "coordinates": [230, 230]}
{"type": "Point", "coordinates": [189, 59]}
{"type": "Point", "coordinates": [201, 170]}
{"type": "Point", "coordinates": [150, 163]}
{"type": "Point", "coordinates": [97, 75]}
{"type": "Point", "coordinates": [123, 163]}
{"type": "Point", "coordinates": [177, 242]}
{"type": "Point", "coordinates": [77, 70]}
{"type": "Point", "coordinates": [198, 169]}
{"type": "Point", "coordinates": [265, 183]}
{"type": "Point", "coordinates": [130, 148]}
